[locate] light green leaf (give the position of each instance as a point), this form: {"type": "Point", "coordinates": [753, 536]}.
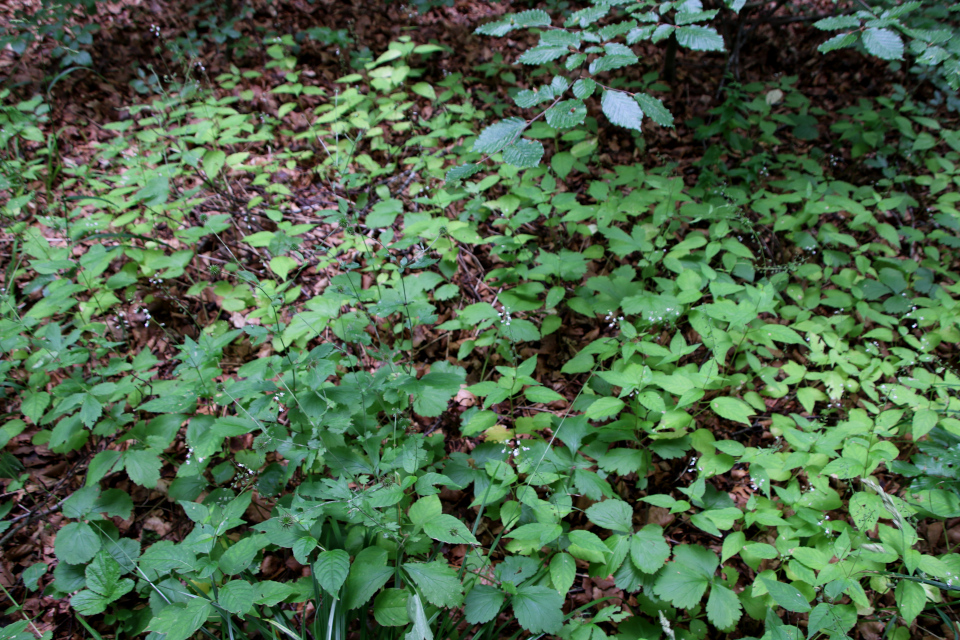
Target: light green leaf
{"type": "Point", "coordinates": [839, 41]}
{"type": "Point", "coordinates": [834, 23]}
{"type": "Point", "coordinates": [331, 569]}
{"type": "Point", "coordinates": [542, 54]}
{"type": "Point", "coordinates": [180, 622]}
{"type": "Point", "coordinates": [654, 108]}
{"type": "Point", "coordinates": [524, 153]}
{"type": "Point", "coordinates": [143, 466]}
{"type": "Point", "coordinates": [621, 109]}
{"type": "Point", "coordinates": [282, 266]}
{"type": "Point", "coordinates": [482, 604]}
{"type": "Point", "coordinates": [699, 38]}
{"type": "Point", "coordinates": [421, 627]}
{"type": "Point", "coordinates": [213, 161]}
{"type": "Point", "coordinates": [425, 90]}
{"type": "Point", "coordinates": [786, 596]}
{"type": "Point", "coordinates": [498, 135]}
{"type": "Point", "coordinates": [566, 114]}
{"type": "Point", "coordinates": [732, 409]}
{"type": "Point", "coordinates": [563, 572]}
{"type": "Point", "coordinates": [446, 528]}
{"type": "Point", "coordinates": [883, 43]}
{"type": "Point", "coordinates": [604, 408]}
{"type": "Point", "coordinates": [461, 172]}
{"type": "Point", "coordinates": [614, 515]}
{"type": "Point", "coordinates": [911, 599]}
{"type": "Point", "coordinates": [239, 556]}
{"type": "Point", "coordinates": [34, 404]}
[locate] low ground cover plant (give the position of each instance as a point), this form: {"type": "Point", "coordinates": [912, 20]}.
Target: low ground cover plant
{"type": "Point", "coordinates": [393, 356]}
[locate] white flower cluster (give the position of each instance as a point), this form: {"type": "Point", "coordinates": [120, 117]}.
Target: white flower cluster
{"type": "Point", "coordinates": [611, 320]}
{"type": "Point", "coordinates": [155, 30]}
{"type": "Point", "coordinates": [504, 317]}
{"type": "Point", "coordinates": [514, 449]}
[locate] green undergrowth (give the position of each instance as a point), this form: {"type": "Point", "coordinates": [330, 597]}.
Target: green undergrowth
{"type": "Point", "coordinates": [465, 403]}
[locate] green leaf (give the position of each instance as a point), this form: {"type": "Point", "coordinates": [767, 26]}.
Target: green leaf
{"type": "Point", "coordinates": [621, 109]}
{"type": "Point", "coordinates": [368, 573]}
{"type": "Point", "coordinates": [732, 409]}
{"type": "Point", "coordinates": [524, 153]}
{"type": "Point", "coordinates": [424, 510]}
{"type": "Point", "coordinates": [648, 549]}
{"type": "Point", "coordinates": [839, 41]}
{"type": "Point", "coordinates": [90, 411]}
{"type": "Point", "coordinates": [76, 543]}
{"type": "Point", "coordinates": [446, 528]}
{"type": "Point", "coordinates": [563, 572]}
{"type": "Point", "coordinates": [421, 627]}
{"type": "Point", "coordinates": [614, 515]}
{"type": "Point", "coordinates": [425, 90]}
{"type": "Point", "coordinates": [143, 466]}
{"type": "Point", "coordinates": [237, 596]}
{"type": "Point", "coordinates": [604, 408]}
{"type": "Point", "coordinates": [723, 607]}
{"type": "Point", "coordinates": [390, 607]}
{"type": "Point", "coordinates": [681, 585]}
{"type": "Point", "coordinates": [538, 609]}
{"type": "Point", "coordinates": [542, 394]}
{"type": "Point", "coordinates": [437, 582]}
{"type": "Point", "coordinates": [88, 603]}
{"type": "Point", "coordinates": [583, 88]}
{"type": "Point", "coordinates": [180, 622]}
{"type": "Point", "coordinates": [786, 596]}
{"type": "Point", "coordinates": [498, 135]}
{"type": "Point", "coordinates": [282, 266]}
{"type": "Point", "coordinates": [586, 545]}
{"type": "Point", "coordinates": [566, 114]}
{"type": "Point", "coordinates": [331, 570]}
{"type": "Point", "coordinates": [654, 108]}
{"type": "Point", "coordinates": [503, 26]}
{"type": "Point", "coordinates": [883, 43]}
{"type": "Point", "coordinates": [103, 574]}
{"type": "Point", "coordinates": [462, 172]}
{"type": "Point", "coordinates": [34, 404]}
{"type": "Point", "coordinates": [213, 161]}
{"type": "Point", "coordinates": [911, 599]}
{"type": "Point", "coordinates": [834, 23]}
{"type": "Point", "coordinates": [542, 54]}
{"type": "Point", "coordinates": [483, 604]}
{"type": "Point", "coordinates": [699, 38]}
{"type": "Point", "coordinates": [239, 556]}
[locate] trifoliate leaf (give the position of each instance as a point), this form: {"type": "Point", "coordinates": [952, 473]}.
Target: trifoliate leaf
{"type": "Point", "coordinates": [621, 109]}
{"type": "Point", "coordinates": [654, 108]}
{"type": "Point", "coordinates": [699, 38]}
{"type": "Point", "coordinates": [538, 609]}
{"type": "Point", "coordinates": [524, 153]}
{"type": "Point", "coordinates": [566, 114]}
{"type": "Point", "coordinates": [883, 43]}
{"type": "Point", "coordinates": [498, 135]}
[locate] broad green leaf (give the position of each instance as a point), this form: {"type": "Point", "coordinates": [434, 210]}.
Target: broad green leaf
{"type": "Point", "coordinates": [421, 627]}
{"type": "Point", "coordinates": [538, 609]}
{"type": "Point", "coordinates": [76, 543]}
{"type": "Point", "coordinates": [424, 510]}
{"type": "Point", "coordinates": [542, 54]}
{"type": "Point", "coordinates": [524, 153]}
{"type": "Point", "coordinates": [437, 582]}
{"type": "Point", "coordinates": [563, 572]}
{"type": "Point", "coordinates": [837, 22]}
{"type": "Point", "coordinates": [732, 409]}
{"type": "Point", "coordinates": [143, 466]}
{"type": "Point", "coordinates": [87, 603]}
{"type": "Point", "coordinates": [723, 607]}
{"type": "Point", "coordinates": [462, 172]}
{"type": "Point", "coordinates": [586, 545]}
{"type": "Point", "coordinates": [699, 38]}
{"type": "Point", "coordinates": [503, 26]}
{"type": "Point", "coordinates": [604, 408]}
{"type": "Point", "coordinates": [621, 109]}
{"type": "Point", "coordinates": [614, 515]}
{"type": "Point", "coordinates": [425, 90]}
{"type": "Point", "coordinates": [368, 573]}
{"type": "Point", "coordinates": [180, 622]}
{"type": "Point", "coordinates": [654, 108]}
{"type": "Point", "coordinates": [237, 596]}
{"type": "Point", "coordinates": [498, 135]}
{"type": "Point", "coordinates": [681, 585]}
{"type": "Point", "coordinates": [213, 161]}
{"type": "Point", "coordinates": [883, 43]}
{"type": "Point", "coordinates": [566, 114]}
{"type": "Point", "coordinates": [102, 574]}
{"type": "Point", "coordinates": [648, 549]}
{"type": "Point", "coordinates": [239, 556]}
{"type": "Point", "coordinates": [839, 41]}
{"type": "Point", "coordinates": [34, 404]}
{"type": "Point", "coordinates": [282, 266]}
{"type": "Point", "coordinates": [331, 569]}
{"type": "Point", "coordinates": [584, 88]}
{"type": "Point", "coordinates": [911, 599]}
{"type": "Point", "coordinates": [482, 604]}
{"type": "Point", "coordinates": [786, 596]}
{"type": "Point", "coordinates": [446, 528]}
{"type": "Point", "coordinates": [390, 607]}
